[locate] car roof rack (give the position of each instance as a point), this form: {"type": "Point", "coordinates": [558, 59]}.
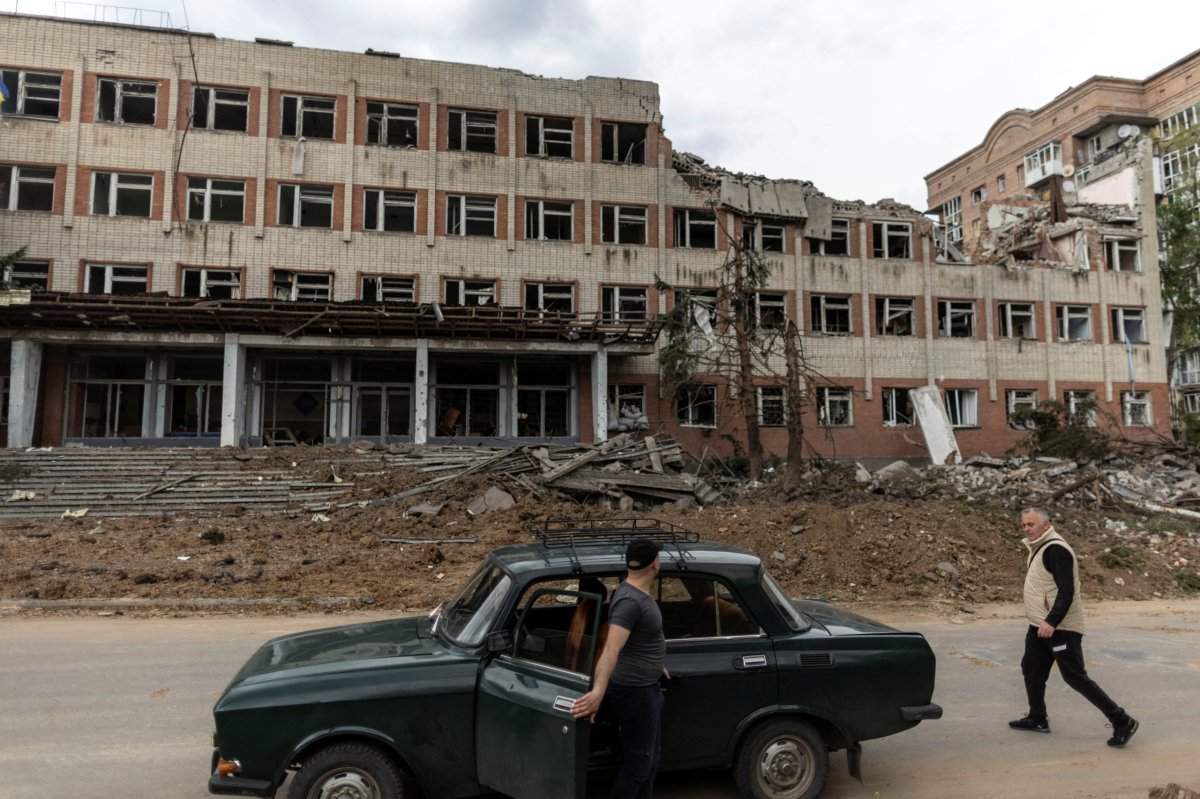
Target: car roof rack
{"type": "Point", "coordinates": [571, 533]}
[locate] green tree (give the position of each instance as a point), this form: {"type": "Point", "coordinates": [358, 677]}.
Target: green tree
{"type": "Point", "coordinates": [8, 260]}
{"type": "Point", "coordinates": [1179, 232]}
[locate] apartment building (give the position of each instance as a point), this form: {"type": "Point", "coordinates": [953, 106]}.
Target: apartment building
{"type": "Point", "coordinates": [1070, 191]}
{"type": "Point", "coordinates": [233, 242]}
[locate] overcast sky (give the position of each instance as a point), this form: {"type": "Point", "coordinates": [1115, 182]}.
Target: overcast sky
{"type": "Point", "coordinates": [862, 97]}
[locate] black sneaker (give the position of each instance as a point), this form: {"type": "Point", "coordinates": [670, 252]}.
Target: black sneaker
{"type": "Point", "coordinates": [1123, 732]}
{"type": "Point", "coordinates": [1036, 724]}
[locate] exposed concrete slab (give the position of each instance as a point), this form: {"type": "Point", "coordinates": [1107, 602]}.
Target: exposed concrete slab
{"type": "Point", "coordinates": [935, 424]}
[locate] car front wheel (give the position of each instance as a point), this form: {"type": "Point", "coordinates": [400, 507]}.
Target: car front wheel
{"type": "Point", "coordinates": [782, 759]}
{"type": "Point", "coordinates": [348, 771]}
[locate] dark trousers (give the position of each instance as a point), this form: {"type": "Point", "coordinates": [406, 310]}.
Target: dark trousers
{"type": "Point", "coordinates": [637, 713]}
{"type": "Point", "coordinates": [1066, 649]}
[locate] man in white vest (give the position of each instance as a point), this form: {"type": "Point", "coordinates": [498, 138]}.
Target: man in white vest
{"type": "Point", "coordinates": [1055, 612]}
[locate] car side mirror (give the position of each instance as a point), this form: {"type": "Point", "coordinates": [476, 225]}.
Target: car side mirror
{"type": "Point", "coordinates": [499, 641]}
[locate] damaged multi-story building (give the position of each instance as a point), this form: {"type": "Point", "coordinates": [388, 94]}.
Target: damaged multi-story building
{"type": "Point", "coordinates": [1058, 206]}
{"type": "Point", "coordinates": [241, 243]}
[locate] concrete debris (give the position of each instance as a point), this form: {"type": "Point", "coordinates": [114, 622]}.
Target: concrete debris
{"type": "Point", "coordinates": [495, 499]}
{"type": "Point", "coordinates": [424, 509]}
{"type": "Point", "coordinates": [1173, 791]}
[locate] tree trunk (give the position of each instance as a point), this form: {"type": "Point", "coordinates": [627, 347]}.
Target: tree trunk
{"type": "Point", "coordinates": [743, 320]}
{"type": "Point", "coordinates": [795, 404]}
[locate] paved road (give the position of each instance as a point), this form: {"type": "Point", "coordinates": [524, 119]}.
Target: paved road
{"type": "Point", "coordinates": [94, 707]}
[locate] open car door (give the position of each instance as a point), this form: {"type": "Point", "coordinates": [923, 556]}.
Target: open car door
{"type": "Point", "coordinates": [527, 744]}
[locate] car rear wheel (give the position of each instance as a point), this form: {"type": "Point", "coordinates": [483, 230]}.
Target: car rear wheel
{"type": "Point", "coordinates": [348, 771]}
{"type": "Point", "coordinates": [782, 759]}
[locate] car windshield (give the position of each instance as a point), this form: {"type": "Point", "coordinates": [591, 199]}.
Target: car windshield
{"type": "Point", "coordinates": [795, 620]}
{"type": "Point", "coordinates": [467, 619]}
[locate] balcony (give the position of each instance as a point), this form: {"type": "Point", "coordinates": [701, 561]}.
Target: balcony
{"type": "Point", "coordinates": [1036, 173]}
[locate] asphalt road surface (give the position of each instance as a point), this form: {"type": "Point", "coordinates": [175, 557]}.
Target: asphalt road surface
{"type": "Point", "coordinates": [103, 707]}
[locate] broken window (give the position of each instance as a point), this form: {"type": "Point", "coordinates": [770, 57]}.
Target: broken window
{"type": "Point", "coordinates": [891, 240]}
{"type": "Point", "coordinates": [31, 94]}
{"type": "Point", "coordinates": [462, 293]}
{"type": "Point", "coordinates": [27, 188]}
{"type": "Point", "coordinates": [834, 407]}
{"type": "Point", "coordinates": [772, 406]}
{"type": "Point", "coordinates": [696, 406]}
{"type": "Point", "coordinates": [550, 137]}
{"type": "Point", "coordinates": [549, 221]}
{"type": "Point", "coordinates": [27, 275]}
{"type": "Point", "coordinates": [1095, 146]}
{"type": "Point", "coordinates": [1048, 153]}
{"type": "Point", "coordinates": [392, 125]}
{"type": "Point", "coordinates": [962, 406]}
{"type": "Point", "coordinates": [701, 308]}
{"type": "Point", "coordinates": [770, 310]}
{"type": "Point", "coordinates": [305, 206]}
{"type": "Point", "coordinates": [1074, 322]}
{"type": "Point", "coordinates": [543, 399]}
{"type": "Point", "coordinates": [293, 286]}
{"type": "Point", "coordinates": [895, 316]}
{"type": "Point", "coordinates": [550, 297]}
{"type": "Point", "coordinates": [217, 284]}
{"type": "Point", "coordinates": [1135, 408]}
{"type": "Point", "coordinates": [952, 218]}
{"type": "Point", "coordinates": [216, 200]}
{"type": "Point", "coordinates": [470, 216]}
{"type": "Point", "coordinates": [1001, 184]}
{"type": "Point", "coordinates": [1176, 164]}
{"type": "Point", "coordinates": [627, 408]}
{"type": "Point", "coordinates": [762, 237]}
{"type": "Point", "coordinates": [1189, 368]}
{"type": "Point", "coordinates": [394, 211]}
{"type": "Point", "coordinates": [831, 314]}
{"type": "Point", "coordinates": [622, 143]}
{"type": "Point", "coordinates": [120, 194]}
{"type": "Point", "coordinates": [1180, 121]}
{"type": "Point", "coordinates": [220, 109]}
{"type": "Point", "coordinates": [388, 288]}
{"type": "Point", "coordinates": [1191, 403]}
{"type": "Point", "coordinates": [624, 303]}
{"type": "Point", "coordinates": [132, 102]}
{"type": "Point", "coordinates": [468, 398]}
{"type": "Point", "coordinates": [978, 195]}
{"type": "Point", "coordinates": [1081, 407]}
{"type": "Point", "coordinates": [307, 117]}
{"type": "Point", "coordinates": [116, 279]}
{"type": "Point", "coordinates": [472, 131]}
{"type": "Point", "coordinates": [1017, 320]}
{"type": "Point", "coordinates": [1129, 324]}
{"type": "Point", "coordinates": [695, 229]}
{"type": "Point", "coordinates": [1020, 400]}
{"type": "Point", "coordinates": [1122, 255]}
{"type": "Point", "coordinates": [956, 318]}
{"type": "Point", "coordinates": [623, 224]}
{"type": "Point", "coordinates": [897, 408]}
{"type": "Point", "coordinates": [839, 239]}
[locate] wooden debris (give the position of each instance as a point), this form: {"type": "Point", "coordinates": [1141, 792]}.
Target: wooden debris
{"type": "Point", "coordinates": [437, 541]}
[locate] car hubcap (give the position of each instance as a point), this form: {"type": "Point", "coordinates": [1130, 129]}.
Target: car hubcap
{"type": "Point", "coordinates": [784, 770]}
{"type": "Point", "coordinates": [346, 784]}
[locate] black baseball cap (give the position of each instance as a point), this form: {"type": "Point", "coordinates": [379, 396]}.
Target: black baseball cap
{"type": "Point", "coordinates": [641, 553]}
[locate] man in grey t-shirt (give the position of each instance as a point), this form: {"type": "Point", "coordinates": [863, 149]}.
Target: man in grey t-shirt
{"type": "Point", "coordinates": [628, 672]}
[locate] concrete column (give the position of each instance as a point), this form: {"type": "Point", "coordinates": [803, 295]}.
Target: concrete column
{"type": "Point", "coordinates": [25, 372]}
{"type": "Point", "coordinates": [420, 431]}
{"type": "Point", "coordinates": [600, 395]}
{"type": "Point", "coordinates": [233, 393]}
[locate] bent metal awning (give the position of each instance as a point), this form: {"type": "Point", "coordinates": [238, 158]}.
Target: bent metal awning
{"type": "Point", "coordinates": [293, 319]}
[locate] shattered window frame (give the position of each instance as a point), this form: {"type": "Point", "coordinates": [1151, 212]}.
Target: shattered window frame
{"type": "Point", "coordinates": [1122, 255]}
{"type": "Point", "coordinates": [222, 108]}
{"type": "Point", "coordinates": [695, 228]}
{"type": "Point", "coordinates": [308, 206]}
{"type": "Point", "coordinates": [628, 400]}
{"type": "Point", "coordinates": [207, 283]}
{"type": "Point", "coordinates": [770, 310]}
{"type": "Point", "coordinates": [206, 195]}
{"type": "Point", "coordinates": [1189, 367]}
{"type": "Point", "coordinates": [1129, 324]}
{"type": "Point", "coordinates": [1014, 317]}
{"type": "Point", "coordinates": [470, 293]}
{"type": "Point", "coordinates": [772, 405]}
{"type": "Point", "coordinates": [839, 239]}
{"type": "Point", "coordinates": [695, 299]}
{"type": "Point", "coordinates": [471, 215]}
{"type": "Point", "coordinates": [898, 409]}
{"type": "Point", "coordinates": [832, 314]}
{"type": "Point", "coordinates": [393, 124]}
{"type": "Point", "coordinates": [978, 195]}
{"type": "Point", "coordinates": [952, 219]}
{"type": "Point", "coordinates": [1191, 402]}
{"type": "Point", "coordinates": [304, 116]}
{"type": "Point", "coordinates": [289, 285]}
{"type": "Point", "coordinates": [629, 138]}
{"type": "Point", "coordinates": [113, 190]}
{"type": "Point", "coordinates": [388, 289]}
{"type": "Point", "coordinates": [962, 406]}
{"type": "Point", "coordinates": [389, 211]}
{"type": "Point", "coordinates": [1179, 121]}
{"type": "Point", "coordinates": [895, 316]}
{"type": "Point", "coordinates": [892, 240]}
{"type": "Point", "coordinates": [32, 93]}
{"type": "Point", "coordinates": [550, 298]}
{"type": "Point", "coordinates": [1019, 399]}
{"type": "Point", "coordinates": [1074, 322]}
{"type": "Point", "coordinates": [1095, 146]}
{"type": "Point", "coordinates": [1175, 164]}
{"type": "Point", "coordinates": [549, 137]}
{"type": "Point", "coordinates": [835, 406]}
{"type": "Point", "coordinates": [116, 279]}
{"type": "Point", "coordinates": [549, 220]}
{"type": "Point", "coordinates": [123, 102]}
{"type": "Point", "coordinates": [760, 236]}
{"type": "Point", "coordinates": [616, 220]}
{"type": "Point", "coordinates": [1081, 406]}
{"type": "Point", "coordinates": [696, 405]}
{"type": "Point", "coordinates": [470, 131]}
{"type": "Point", "coordinates": [624, 303]}
{"type": "Point", "coordinates": [27, 273]}
{"type": "Point", "coordinates": [28, 188]}
{"type": "Point", "coordinates": [956, 319]}
{"type": "Point", "coordinates": [1135, 409]}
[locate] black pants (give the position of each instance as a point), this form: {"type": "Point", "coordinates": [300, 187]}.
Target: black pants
{"type": "Point", "coordinates": [638, 715]}
{"type": "Point", "coordinates": [1066, 649]}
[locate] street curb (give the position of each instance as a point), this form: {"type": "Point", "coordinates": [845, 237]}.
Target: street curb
{"type": "Point", "coordinates": [121, 603]}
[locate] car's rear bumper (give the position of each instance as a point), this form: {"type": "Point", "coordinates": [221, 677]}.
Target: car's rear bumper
{"type": "Point", "coordinates": [921, 712]}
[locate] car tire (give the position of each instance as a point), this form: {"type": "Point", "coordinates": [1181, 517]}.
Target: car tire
{"type": "Point", "coordinates": [348, 771]}
{"type": "Point", "coordinates": [782, 759]}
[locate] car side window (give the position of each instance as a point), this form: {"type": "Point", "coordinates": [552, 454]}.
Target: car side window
{"type": "Point", "coordinates": [557, 622]}
{"type": "Point", "coordinates": [701, 607]}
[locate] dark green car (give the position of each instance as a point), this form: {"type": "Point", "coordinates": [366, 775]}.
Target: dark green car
{"type": "Point", "coordinates": [476, 697]}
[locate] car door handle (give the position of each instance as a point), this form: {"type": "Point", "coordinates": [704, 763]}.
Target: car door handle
{"type": "Point", "coordinates": [564, 704]}
{"type": "Point", "coordinates": [750, 662]}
